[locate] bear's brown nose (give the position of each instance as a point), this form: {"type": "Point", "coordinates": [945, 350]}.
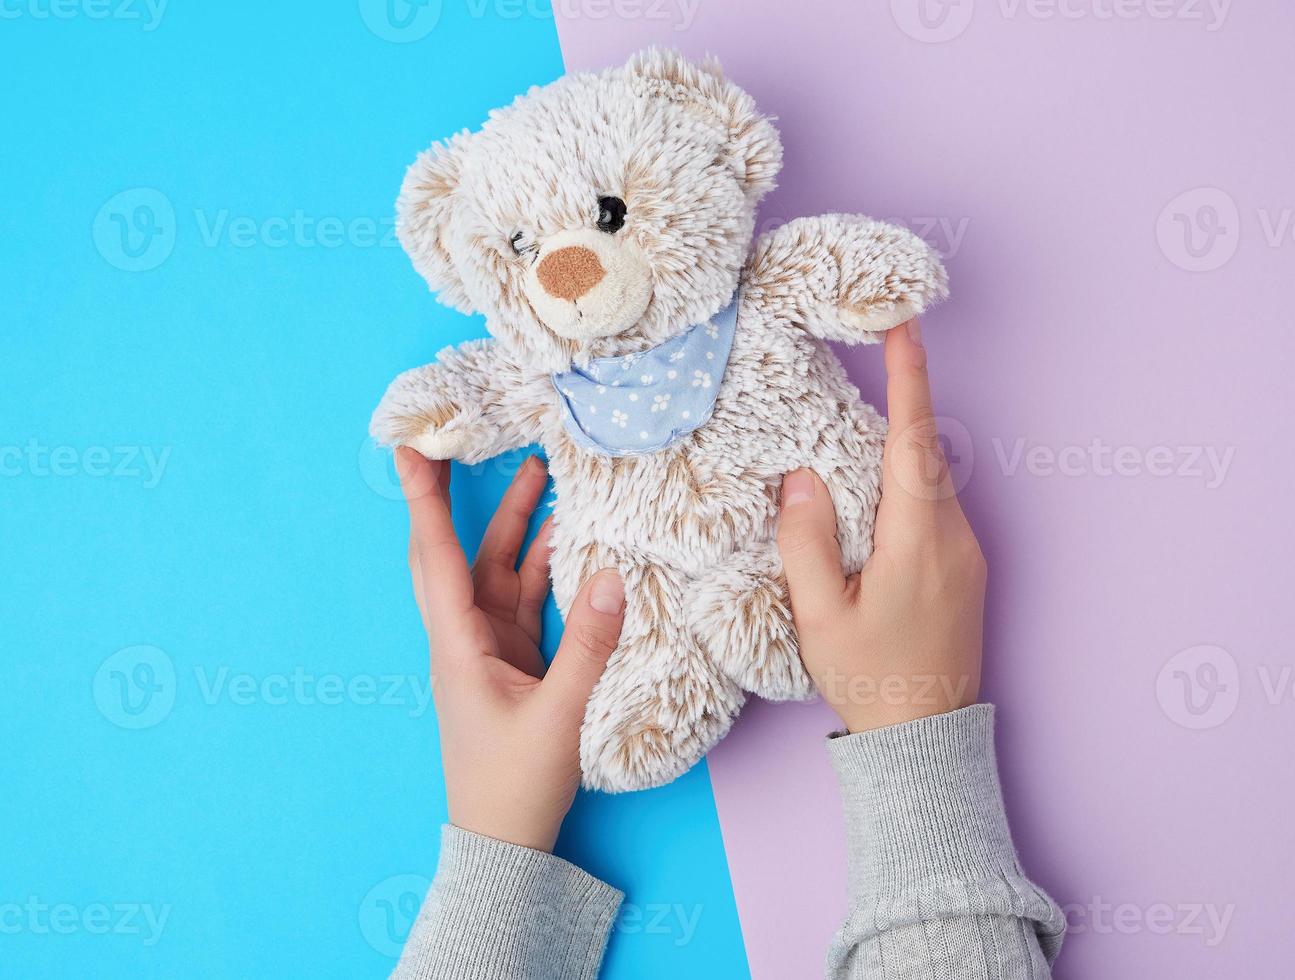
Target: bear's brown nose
{"type": "Point", "coordinates": [570, 272]}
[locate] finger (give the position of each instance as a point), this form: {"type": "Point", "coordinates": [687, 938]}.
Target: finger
{"type": "Point", "coordinates": [416, 574]}
{"type": "Point", "coordinates": [534, 581]}
{"type": "Point", "coordinates": [811, 556]}
{"type": "Point", "coordinates": [915, 474]}
{"type": "Point", "coordinates": [442, 570]}
{"type": "Point", "coordinates": [592, 631]}
{"type": "Point", "coordinates": [507, 529]}
{"type": "Point", "coordinates": [494, 573]}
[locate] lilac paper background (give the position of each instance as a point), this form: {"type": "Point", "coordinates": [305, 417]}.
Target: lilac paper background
{"type": "Point", "coordinates": [1061, 146]}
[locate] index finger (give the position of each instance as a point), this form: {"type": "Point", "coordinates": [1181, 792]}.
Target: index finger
{"type": "Point", "coordinates": [914, 470]}
{"type": "Point", "coordinates": [908, 387]}
{"type": "Point", "coordinates": [445, 580]}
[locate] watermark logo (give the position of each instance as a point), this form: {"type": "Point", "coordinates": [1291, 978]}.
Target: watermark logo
{"type": "Point", "coordinates": [400, 21]}
{"type": "Point", "coordinates": [1202, 687]}
{"type": "Point", "coordinates": [378, 470]}
{"type": "Point", "coordinates": [932, 459]}
{"type": "Point", "coordinates": [1200, 229]}
{"type": "Point", "coordinates": [932, 21]}
{"type": "Point", "coordinates": [387, 913]}
{"type": "Point", "coordinates": [135, 230]}
{"type": "Point", "coordinates": [1199, 688]}
{"type": "Point", "coordinates": [959, 453]}
{"type": "Point", "coordinates": [135, 687]}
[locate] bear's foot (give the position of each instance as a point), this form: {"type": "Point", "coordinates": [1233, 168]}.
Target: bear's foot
{"type": "Point", "coordinates": [741, 612]}
{"type": "Point", "coordinates": [660, 704]}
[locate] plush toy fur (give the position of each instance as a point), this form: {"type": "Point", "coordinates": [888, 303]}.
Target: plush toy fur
{"type": "Point", "coordinates": [504, 221]}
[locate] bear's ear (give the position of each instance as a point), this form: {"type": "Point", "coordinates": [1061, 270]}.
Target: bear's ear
{"type": "Point", "coordinates": [755, 151]}
{"type": "Point", "coordinates": [423, 211]}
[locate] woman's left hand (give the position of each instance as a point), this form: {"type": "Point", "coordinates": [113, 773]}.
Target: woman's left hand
{"type": "Point", "coordinates": [510, 731]}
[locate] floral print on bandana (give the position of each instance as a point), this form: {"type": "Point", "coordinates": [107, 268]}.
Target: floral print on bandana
{"type": "Point", "coordinates": [647, 401]}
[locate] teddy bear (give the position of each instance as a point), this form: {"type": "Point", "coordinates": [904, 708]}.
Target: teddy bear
{"type": "Point", "coordinates": [671, 367]}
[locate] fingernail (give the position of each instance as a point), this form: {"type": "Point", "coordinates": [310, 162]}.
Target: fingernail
{"type": "Point", "coordinates": [535, 464]}
{"type": "Point", "coordinates": [607, 594]}
{"type": "Point", "coordinates": [915, 331]}
{"type": "Point", "coordinates": [797, 488]}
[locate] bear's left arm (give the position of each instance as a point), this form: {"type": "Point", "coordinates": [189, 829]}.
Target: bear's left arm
{"type": "Point", "coordinates": [470, 404]}
{"type": "Point", "coordinates": [844, 277]}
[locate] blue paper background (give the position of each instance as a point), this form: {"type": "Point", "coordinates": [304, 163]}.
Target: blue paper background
{"type": "Point", "coordinates": [202, 303]}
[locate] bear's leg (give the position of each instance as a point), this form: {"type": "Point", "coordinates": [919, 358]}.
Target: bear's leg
{"type": "Point", "coordinates": [741, 614]}
{"type": "Point", "coordinates": [660, 704]}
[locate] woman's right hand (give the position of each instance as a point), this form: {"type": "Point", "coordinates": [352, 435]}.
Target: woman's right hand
{"type": "Point", "coordinates": [510, 728]}
{"type": "Point", "coordinates": [901, 640]}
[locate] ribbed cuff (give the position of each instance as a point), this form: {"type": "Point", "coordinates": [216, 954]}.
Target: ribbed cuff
{"type": "Point", "coordinates": [923, 803]}
{"type": "Point", "coordinates": [498, 911]}
{"type": "Point", "coordinates": [928, 837]}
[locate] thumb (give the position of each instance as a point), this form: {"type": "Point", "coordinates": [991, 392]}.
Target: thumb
{"type": "Point", "coordinates": [593, 629]}
{"type": "Point", "coordinates": [811, 556]}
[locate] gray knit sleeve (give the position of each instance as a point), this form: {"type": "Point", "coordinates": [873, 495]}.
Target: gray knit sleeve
{"type": "Point", "coordinates": [497, 911]}
{"type": "Point", "coordinates": [936, 890]}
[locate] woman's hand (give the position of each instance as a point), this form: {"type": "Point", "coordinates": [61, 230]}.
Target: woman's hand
{"type": "Point", "coordinates": [510, 732]}
{"type": "Point", "coordinates": [902, 639]}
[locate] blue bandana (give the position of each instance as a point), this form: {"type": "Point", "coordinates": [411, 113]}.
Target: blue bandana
{"type": "Point", "coordinates": [642, 403]}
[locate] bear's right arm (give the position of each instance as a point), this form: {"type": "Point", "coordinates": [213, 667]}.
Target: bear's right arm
{"type": "Point", "coordinates": [469, 405]}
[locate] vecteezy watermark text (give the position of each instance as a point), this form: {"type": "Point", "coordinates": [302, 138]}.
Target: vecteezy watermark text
{"type": "Point", "coordinates": [297, 230]}
{"type": "Point", "coordinates": [138, 229]}
{"type": "Point", "coordinates": [35, 459]}
{"type": "Point", "coordinates": [40, 918]}
{"type": "Point", "coordinates": [680, 14]}
{"type": "Point", "coordinates": [894, 690]}
{"type": "Point", "coordinates": [137, 687]}
{"type": "Point", "coordinates": [666, 919]}
{"type": "Point", "coordinates": [1206, 920]}
{"type": "Point", "coordinates": [147, 12]}
{"type": "Point", "coordinates": [1207, 463]}
{"type": "Point", "coordinates": [301, 687]}
{"type": "Point", "coordinates": [936, 21]}
{"type": "Point", "coordinates": [407, 21]}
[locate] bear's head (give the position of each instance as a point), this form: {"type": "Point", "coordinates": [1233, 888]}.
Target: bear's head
{"type": "Point", "coordinates": [598, 215]}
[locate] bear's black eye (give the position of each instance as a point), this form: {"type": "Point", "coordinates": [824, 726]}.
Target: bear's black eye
{"type": "Point", "coordinates": [611, 214]}
{"type": "Point", "coordinates": [516, 243]}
